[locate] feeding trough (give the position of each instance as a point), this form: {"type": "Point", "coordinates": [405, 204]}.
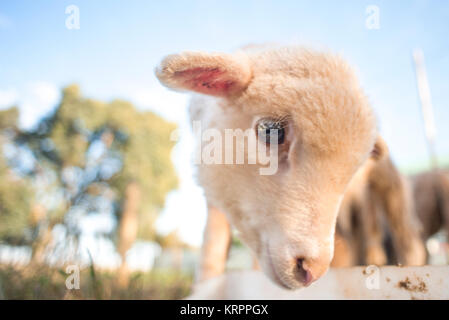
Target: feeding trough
{"type": "Point", "coordinates": [389, 282]}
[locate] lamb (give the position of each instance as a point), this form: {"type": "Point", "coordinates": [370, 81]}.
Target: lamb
{"type": "Point", "coordinates": [378, 223]}
{"type": "Point", "coordinates": [431, 194]}
{"type": "Point", "coordinates": [308, 111]}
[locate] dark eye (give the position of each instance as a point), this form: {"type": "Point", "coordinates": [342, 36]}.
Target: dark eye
{"type": "Point", "coordinates": [267, 129]}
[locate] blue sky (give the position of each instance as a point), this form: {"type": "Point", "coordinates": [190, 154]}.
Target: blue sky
{"type": "Point", "coordinates": [119, 43]}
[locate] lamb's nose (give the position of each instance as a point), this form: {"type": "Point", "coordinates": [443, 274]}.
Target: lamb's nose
{"type": "Point", "coordinates": [302, 273]}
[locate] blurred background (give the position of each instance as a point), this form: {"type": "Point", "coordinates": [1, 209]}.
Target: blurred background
{"type": "Point", "coordinates": [94, 152]}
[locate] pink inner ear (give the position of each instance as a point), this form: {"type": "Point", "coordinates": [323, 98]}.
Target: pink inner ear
{"type": "Point", "coordinates": [210, 81]}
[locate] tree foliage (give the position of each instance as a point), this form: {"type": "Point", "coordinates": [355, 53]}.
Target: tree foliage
{"type": "Point", "coordinates": [15, 200]}
{"type": "Point", "coordinates": [80, 159]}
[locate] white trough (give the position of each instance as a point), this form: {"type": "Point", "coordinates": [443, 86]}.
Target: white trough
{"type": "Point", "coordinates": [390, 282]}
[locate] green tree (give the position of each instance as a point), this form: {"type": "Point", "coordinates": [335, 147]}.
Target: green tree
{"type": "Point", "coordinates": [15, 194]}
{"type": "Point", "coordinates": [135, 144]}
{"type": "Point", "coordinates": [15, 204]}
{"type": "Point", "coordinates": [92, 153]}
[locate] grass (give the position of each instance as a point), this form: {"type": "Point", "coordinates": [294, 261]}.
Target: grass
{"type": "Point", "coordinates": [42, 282]}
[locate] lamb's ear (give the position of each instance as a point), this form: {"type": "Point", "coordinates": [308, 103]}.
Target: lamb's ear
{"type": "Point", "coordinates": [221, 74]}
{"type": "Point", "coordinates": [380, 149]}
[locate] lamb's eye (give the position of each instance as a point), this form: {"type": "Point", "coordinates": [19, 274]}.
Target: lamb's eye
{"type": "Point", "coordinates": [267, 128]}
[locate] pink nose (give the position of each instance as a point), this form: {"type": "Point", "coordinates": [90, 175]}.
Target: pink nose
{"type": "Point", "coordinates": [302, 273]}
